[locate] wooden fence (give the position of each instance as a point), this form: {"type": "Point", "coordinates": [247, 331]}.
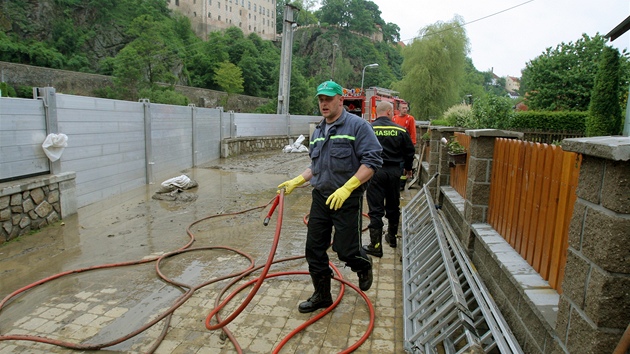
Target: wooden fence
{"type": "Point", "coordinates": [531, 202]}
{"type": "Point", "coordinates": [459, 173]}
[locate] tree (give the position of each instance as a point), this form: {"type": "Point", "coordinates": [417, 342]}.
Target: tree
{"type": "Point", "coordinates": [605, 111]}
{"type": "Point", "coordinates": [491, 112]}
{"type": "Point", "coordinates": [230, 78]}
{"type": "Point", "coordinates": [562, 78]}
{"type": "Point", "coordinates": [433, 68]}
{"type": "Point", "coordinates": [205, 59]}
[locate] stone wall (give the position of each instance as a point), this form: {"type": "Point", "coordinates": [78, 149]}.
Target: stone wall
{"type": "Point", "coordinates": [237, 146]}
{"type": "Point", "coordinates": [82, 84]}
{"type": "Point", "coordinates": [32, 203]}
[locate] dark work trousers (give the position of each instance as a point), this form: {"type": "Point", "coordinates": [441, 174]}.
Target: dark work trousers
{"type": "Point", "coordinates": [347, 240]}
{"type": "Point", "coordinates": [383, 196]}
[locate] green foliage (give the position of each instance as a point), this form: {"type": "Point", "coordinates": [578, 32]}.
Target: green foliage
{"type": "Point", "coordinates": [440, 122]}
{"type": "Point", "coordinates": [455, 147]}
{"type": "Point", "coordinates": [6, 90]}
{"type": "Point", "coordinates": [270, 107]}
{"type": "Point", "coordinates": [549, 121]}
{"type": "Point", "coordinates": [563, 78]}
{"type": "Point", "coordinates": [605, 111]}
{"type": "Point", "coordinates": [164, 95]}
{"type": "Point", "coordinates": [229, 77]}
{"type": "Point", "coordinates": [459, 115]}
{"type": "Point", "coordinates": [491, 112]}
{"type": "Point", "coordinates": [433, 69]}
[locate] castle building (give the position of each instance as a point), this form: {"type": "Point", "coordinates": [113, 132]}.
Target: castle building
{"type": "Point", "coordinates": [252, 16]}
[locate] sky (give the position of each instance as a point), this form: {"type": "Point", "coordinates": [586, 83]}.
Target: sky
{"type": "Point", "coordinates": [505, 34]}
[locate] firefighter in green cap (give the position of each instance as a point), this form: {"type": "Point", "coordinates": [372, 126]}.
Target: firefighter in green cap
{"type": "Point", "coordinates": [344, 154]}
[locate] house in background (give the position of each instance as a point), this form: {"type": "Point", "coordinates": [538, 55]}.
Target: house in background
{"type": "Point", "coordinates": [512, 84]}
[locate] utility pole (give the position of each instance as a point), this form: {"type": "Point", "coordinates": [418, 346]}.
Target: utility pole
{"type": "Point", "coordinates": [284, 86]}
{"type": "Point", "coordinates": [332, 73]}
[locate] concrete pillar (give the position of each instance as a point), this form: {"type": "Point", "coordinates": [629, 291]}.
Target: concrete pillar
{"type": "Point", "coordinates": [440, 157]}
{"type": "Point", "coordinates": [477, 197]}
{"type": "Point", "coordinates": [594, 307]}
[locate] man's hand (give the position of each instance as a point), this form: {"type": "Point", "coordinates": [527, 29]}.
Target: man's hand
{"type": "Point", "coordinates": [290, 185]}
{"type": "Point", "coordinates": [336, 200]}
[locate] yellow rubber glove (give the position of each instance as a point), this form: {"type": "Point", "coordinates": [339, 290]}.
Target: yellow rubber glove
{"type": "Point", "coordinates": [335, 201]}
{"type": "Point", "coordinates": [290, 185]}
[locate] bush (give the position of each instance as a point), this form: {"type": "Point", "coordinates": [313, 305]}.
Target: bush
{"type": "Point", "coordinates": [164, 95]}
{"type": "Point", "coordinates": [549, 121]}
{"type": "Point", "coordinates": [459, 115]}
{"type": "Point", "coordinates": [491, 112]}
{"type": "Point", "coordinates": [6, 90]}
{"type": "Point", "coordinates": [441, 122]}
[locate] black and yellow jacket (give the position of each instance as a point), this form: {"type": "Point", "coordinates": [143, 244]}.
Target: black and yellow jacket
{"type": "Point", "coordinates": [396, 143]}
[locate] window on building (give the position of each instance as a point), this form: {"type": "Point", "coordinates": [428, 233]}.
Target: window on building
{"type": "Point", "coordinates": [194, 2]}
{"type": "Point", "coordinates": [219, 17]}
{"type": "Point", "coordinates": [254, 7]}
{"type": "Point", "coordinates": [194, 13]}
{"type": "Point", "coordinates": [249, 5]}
{"type": "Point", "coordinates": [219, 5]}
{"type": "Point", "coordinates": [240, 12]}
{"type": "Point", "coordinates": [176, 2]}
{"type": "Point", "coordinates": [209, 15]}
{"type": "Point", "coordinates": [209, 2]}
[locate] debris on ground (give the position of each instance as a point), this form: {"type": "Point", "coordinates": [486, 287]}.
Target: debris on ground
{"type": "Point", "coordinates": [296, 146]}
{"type": "Point", "coordinates": [173, 189]}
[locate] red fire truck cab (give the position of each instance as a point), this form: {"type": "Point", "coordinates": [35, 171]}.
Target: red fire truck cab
{"type": "Point", "coordinates": [363, 104]}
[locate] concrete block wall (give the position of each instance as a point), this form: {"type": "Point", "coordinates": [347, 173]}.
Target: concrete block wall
{"type": "Point", "coordinates": [595, 303]}
{"type": "Point", "coordinates": [236, 146]}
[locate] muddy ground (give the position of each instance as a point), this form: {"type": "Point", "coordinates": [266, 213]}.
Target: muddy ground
{"type": "Point", "coordinates": [226, 210]}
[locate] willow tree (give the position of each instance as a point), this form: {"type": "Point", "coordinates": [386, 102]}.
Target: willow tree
{"type": "Point", "coordinates": [433, 68]}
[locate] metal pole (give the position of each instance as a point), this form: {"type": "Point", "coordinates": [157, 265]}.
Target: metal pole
{"type": "Point", "coordinates": [284, 89]}
{"type": "Point", "coordinates": [332, 73]}
{"type": "Point", "coordinates": [626, 124]}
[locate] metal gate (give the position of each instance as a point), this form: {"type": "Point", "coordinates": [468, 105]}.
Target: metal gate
{"type": "Point", "coordinates": [446, 306]}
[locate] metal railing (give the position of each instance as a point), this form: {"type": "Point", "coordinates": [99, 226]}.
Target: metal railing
{"type": "Point", "coordinates": [446, 306]}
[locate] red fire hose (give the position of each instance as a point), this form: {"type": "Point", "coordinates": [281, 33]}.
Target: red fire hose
{"type": "Point", "coordinates": [277, 201]}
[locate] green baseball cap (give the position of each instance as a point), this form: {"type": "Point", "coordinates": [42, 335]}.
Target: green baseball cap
{"type": "Point", "coordinates": [329, 88]}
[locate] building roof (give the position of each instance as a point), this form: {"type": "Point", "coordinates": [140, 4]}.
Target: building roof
{"type": "Point", "coordinates": [618, 31]}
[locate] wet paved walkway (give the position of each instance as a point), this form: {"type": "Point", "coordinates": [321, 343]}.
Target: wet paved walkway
{"type": "Point", "coordinates": [105, 305]}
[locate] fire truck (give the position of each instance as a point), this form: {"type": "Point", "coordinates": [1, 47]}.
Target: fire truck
{"type": "Point", "coordinates": [363, 102]}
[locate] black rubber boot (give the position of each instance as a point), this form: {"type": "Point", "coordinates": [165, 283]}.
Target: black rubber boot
{"type": "Point", "coordinates": [365, 277]}
{"type": "Point", "coordinates": [321, 298]}
{"type": "Point", "coordinates": [390, 238]}
{"type": "Point", "coordinates": [375, 248]}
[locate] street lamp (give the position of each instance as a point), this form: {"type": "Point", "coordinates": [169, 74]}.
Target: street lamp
{"type": "Point", "coordinates": [363, 74]}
